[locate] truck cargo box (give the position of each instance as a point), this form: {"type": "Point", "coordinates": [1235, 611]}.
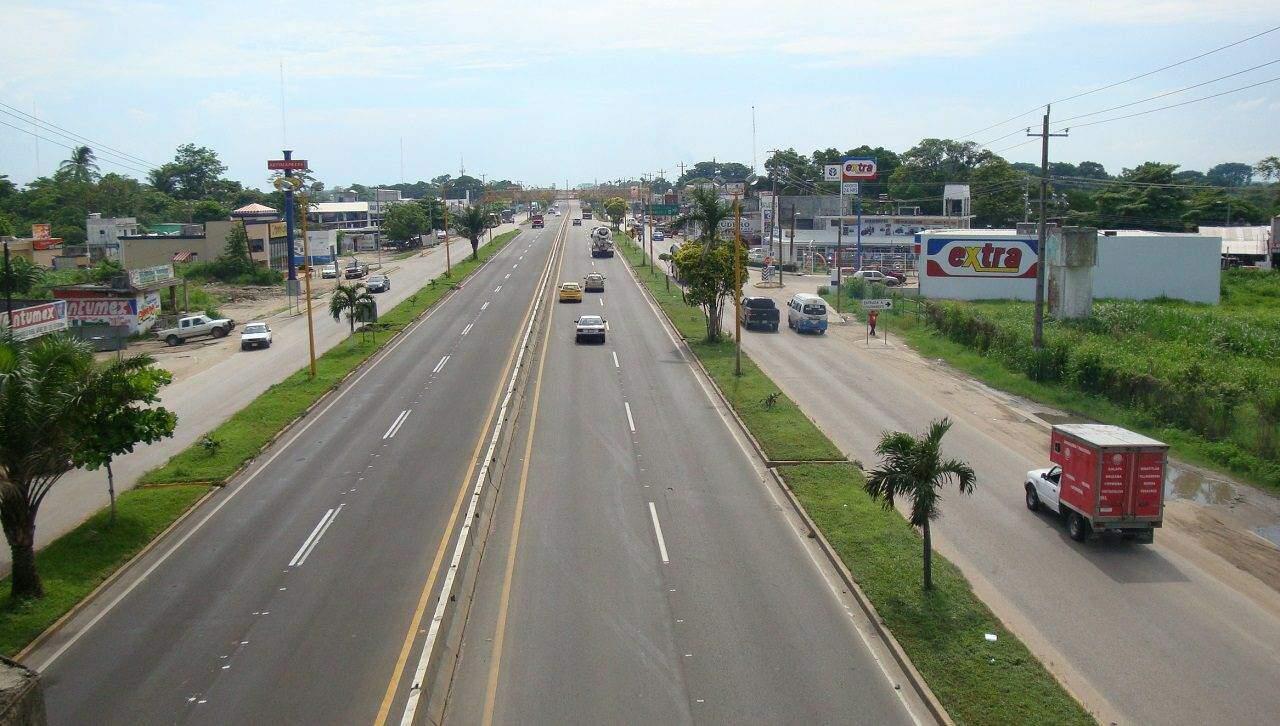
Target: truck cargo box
{"type": "Point", "coordinates": [1112, 476]}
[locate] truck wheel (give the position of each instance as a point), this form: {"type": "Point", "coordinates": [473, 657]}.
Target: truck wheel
{"type": "Point", "coordinates": [1077, 527]}
{"type": "Point", "coordinates": [219, 332]}
{"type": "Point", "coordinates": [173, 340]}
{"type": "Point", "coordinates": [1033, 499]}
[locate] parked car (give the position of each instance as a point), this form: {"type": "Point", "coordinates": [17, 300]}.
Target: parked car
{"type": "Point", "coordinates": [589, 327]}
{"type": "Point", "coordinates": [570, 292]}
{"type": "Point", "coordinates": [378, 283]}
{"type": "Point", "coordinates": [898, 275]}
{"type": "Point", "coordinates": [756, 255]}
{"type": "Point", "coordinates": [255, 335]}
{"type": "Point", "coordinates": [196, 326]}
{"type": "Point", "coordinates": [806, 312]}
{"type": "Point", "coordinates": [760, 312]}
{"type": "Point", "coordinates": [1104, 478]}
{"type": "Point", "coordinates": [876, 276]}
{"type": "Point", "coordinates": [329, 272]}
{"type": "Point", "coordinates": [593, 282]}
{"type": "Point", "coordinates": [355, 271]}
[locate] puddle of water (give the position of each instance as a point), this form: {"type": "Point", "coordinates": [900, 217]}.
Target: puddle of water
{"type": "Point", "coordinates": [1271, 533]}
{"type": "Point", "coordinates": [1060, 418]}
{"type": "Point", "coordinates": [1184, 484]}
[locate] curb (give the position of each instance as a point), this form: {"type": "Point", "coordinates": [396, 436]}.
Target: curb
{"type": "Point", "coordinates": [216, 486]}
{"type": "Point", "coordinates": [899, 655]}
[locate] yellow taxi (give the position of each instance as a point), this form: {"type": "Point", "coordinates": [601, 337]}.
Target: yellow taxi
{"type": "Point", "coordinates": [570, 292]}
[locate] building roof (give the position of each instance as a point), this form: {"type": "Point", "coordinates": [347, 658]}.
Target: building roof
{"type": "Point", "coordinates": [254, 209]}
{"type": "Point", "coordinates": [337, 207]}
{"type": "Point", "coordinates": [184, 256]}
{"type": "Point", "coordinates": [1241, 240]}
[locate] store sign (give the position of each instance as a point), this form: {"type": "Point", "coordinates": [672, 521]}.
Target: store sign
{"type": "Point", "coordinates": [36, 320]}
{"type": "Point", "coordinates": [735, 188]}
{"type": "Point", "coordinates": [40, 231]}
{"type": "Point", "coordinates": [858, 168]}
{"type": "Point", "coordinates": [276, 230]}
{"type": "Point", "coordinates": [150, 275]}
{"type": "Point", "coordinates": [832, 172]}
{"type": "Point", "coordinates": [849, 188]}
{"type": "Point", "coordinates": [150, 307]}
{"type": "Point", "coordinates": [286, 164]}
{"type": "Point", "coordinates": [1003, 257]}
{"type": "Point", "coordinates": [104, 311]}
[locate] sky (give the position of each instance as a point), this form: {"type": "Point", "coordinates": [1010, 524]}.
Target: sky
{"type": "Point", "coordinates": [569, 90]}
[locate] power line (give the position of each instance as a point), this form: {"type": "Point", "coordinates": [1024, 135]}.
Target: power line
{"type": "Point", "coordinates": [104, 159]}
{"type": "Point", "coordinates": [1037, 107]}
{"type": "Point", "coordinates": [1155, 185]}
{"type": "Point", "coordinates": [35, 121]}
{"type": "Point", "coordinates": [1176, 105]}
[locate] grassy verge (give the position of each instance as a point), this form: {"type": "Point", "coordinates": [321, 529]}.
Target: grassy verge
{"type": "Point", "coordinates": [245, 434]}
{"type": "Point", "coordinates": [943, 632]}
{"type": "Point", "coordinates": [784, 431]}
{"type": "Point", "coordinates": [75, 563]}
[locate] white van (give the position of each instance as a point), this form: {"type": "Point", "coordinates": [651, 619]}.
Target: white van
{"type": "Point", "coordinates": [806, 312]}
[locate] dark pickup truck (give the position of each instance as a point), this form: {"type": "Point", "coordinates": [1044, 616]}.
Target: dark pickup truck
{"type": "Point", "coordinates": [759, 312]}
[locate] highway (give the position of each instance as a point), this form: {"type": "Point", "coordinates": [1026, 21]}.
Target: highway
{"type": "Point", "coordinates": [289, 596]}
{"type": "Point", "coordinates": [1185, 631]}
{"type": "Point", "coordinates": [642, 569]}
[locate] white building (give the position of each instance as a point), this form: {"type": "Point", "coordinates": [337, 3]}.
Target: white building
{"type": "Point", "coordinates": [1243, 245]}
{"type": "Point", "coordinates": [102, 235]}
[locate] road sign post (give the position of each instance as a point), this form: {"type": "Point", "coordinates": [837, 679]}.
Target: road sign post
{"type": "Point", "coordinates": [288, 165]}
{"type": "Point", "coordinates": [875, 305]}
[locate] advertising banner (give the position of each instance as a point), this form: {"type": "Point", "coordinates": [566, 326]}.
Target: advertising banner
{"type": "Point", "coordinates": [858, 168]}
{"type": "Point", "coordinates": [276, 230]}
{"type": "Point", "coordinates": [104, 311]}
{"type": "Point", "coordinates": [36, 320]}
{"type": "Point", "coordinates": [1005, 257]}
{"type": "Point", "coordinates": [150, 275]}
{"type": "Point", "coordinates": [150, 308]}
{"type": "Point", "coordinates": [40, 231]}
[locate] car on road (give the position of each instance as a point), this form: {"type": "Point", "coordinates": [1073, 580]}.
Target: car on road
{"type": "Point", "coordinates": [760, 312]}
{"type": "Point", "coordinates": [577, 222]}
{"type": "Point", "coordinates": [589, 327]}
{"type": "Point", "coordinates": [658, 236]}
{"type": "Point", "coordinates": [355, 271]}
{"type": "Point", "coordinates": [329, 272]}
{"type": "Point", "coordinates": [756, 255]}
{"type": "Point", "coordinates": [195, 326]}
{"type": "Point", "coordinates": [441, 234]}
{"type": "Point", "coordinates": [594, 282]}
{"type": "Point", "coordinates": [807, 313]}
{"type": "Point", "coordinates": [586, 215]}
{"type": "Point", "coordinates": [570, 292]}
{"type": "Point", "coordinates": [378, 283]}
{"type": "Point", "coordinates": [876, 276]}
{"type": "Point", "coordinates": [255, 335]}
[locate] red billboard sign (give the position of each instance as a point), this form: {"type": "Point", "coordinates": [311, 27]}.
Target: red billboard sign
{"type": "Point", "coordinates": [36, 320]}
{"type": "Point", "coordinates": [286, 164]}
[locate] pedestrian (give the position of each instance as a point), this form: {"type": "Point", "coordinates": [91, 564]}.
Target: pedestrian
{"type": "Point", "coordinates": [871, 321]}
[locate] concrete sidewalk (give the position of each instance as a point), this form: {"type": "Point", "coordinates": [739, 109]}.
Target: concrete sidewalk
{"type": "Point", "coordinates": [210, 396]}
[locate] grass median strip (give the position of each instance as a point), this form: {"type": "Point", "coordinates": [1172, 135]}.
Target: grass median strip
{"type": "Point", "coordinates": [75, 563]}
{"type": "Point", "coordinates": [252, 428]}
{"type": "Point", "coordinates": [943, 632]}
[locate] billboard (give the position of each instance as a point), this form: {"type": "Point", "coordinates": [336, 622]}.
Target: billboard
{"type": "Point", "coordinates": [858, 168]}
{"type": "Point", "coordinates": [977, 266]}
{"type": "Point", "coordinates": [150, 275]}
{"type": "Point", "coordinates": [36, 320]}
{"type": "Point", "coordinates": [104, 311]}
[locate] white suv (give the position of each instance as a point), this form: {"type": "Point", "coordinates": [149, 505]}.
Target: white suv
{"type": "Point", "coordinates": [875, 276]}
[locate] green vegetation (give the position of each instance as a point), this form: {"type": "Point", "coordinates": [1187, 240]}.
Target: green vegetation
{"type": "Point", "coordinates": [943, 631]}
{"type": "Point", "coordinates": [252, 428]}
{"type": "Point", "coordinates": [234, 265]}
{"type": "Point", "coordinates": [77, 562]}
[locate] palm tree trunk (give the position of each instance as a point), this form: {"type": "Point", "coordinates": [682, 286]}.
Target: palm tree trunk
{"type": "Point", "coordinates": [351, 320]}
{"type": "Point", "coordinates": [928, 559]}
{"type": "Point", "coordinates": [111, 492]}
{"type": "Point", "coordinates": [20, 530]}
{"type": "Point", "coordinates": [475, 248]}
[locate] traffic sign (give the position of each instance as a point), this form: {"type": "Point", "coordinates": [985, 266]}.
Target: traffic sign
{"type": "Point", "coordinates": [858, 168]}
{"type": "Point", "coordinates": [848, 187]}
{"type": "Point", "coordinates": [877, 304]}
{"type": "Point", "coordinates": [664, 210]}
{"type": "Point", "coordinates": [831, 172]}
{"type": "Point", "coordinates": [286, 164]}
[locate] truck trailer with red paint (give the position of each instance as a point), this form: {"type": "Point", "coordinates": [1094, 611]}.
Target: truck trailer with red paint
{"type": "Point", "coordinates": [536, 219]}
{"type": "Point", "coordinates": [1104, 478]}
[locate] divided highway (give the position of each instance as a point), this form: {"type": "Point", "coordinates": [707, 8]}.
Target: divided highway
{"type": "Point", "coordinates": [289, 596]}
{"type": "Point", "coordinates": [641, 567]}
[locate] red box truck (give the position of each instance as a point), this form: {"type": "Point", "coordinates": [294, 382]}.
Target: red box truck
{"type": "Point", "coordinates": [1104, 478]}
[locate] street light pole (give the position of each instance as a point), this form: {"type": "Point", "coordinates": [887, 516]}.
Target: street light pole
{"type": "Point", "coordinates": [448, 269]}
{"type": "Point", "coordinates": [737, 286]}
{"type": "Point", "coordinates": [306, 256]}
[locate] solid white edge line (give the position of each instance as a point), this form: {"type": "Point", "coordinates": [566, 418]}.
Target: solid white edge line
{"type": "Point", "coordinates": [630, 421]}
{"type": "Point", "coordinates": [298, 556]}
{"type": "Point", "coordinates": [316, 541]}
{"type": "Point", "coordinates": [237, 488]}
{"type": "Point", "coordinates": [615, 359]}
{"type": "Point", "coordinates": [446, 588]}
{"type": "Point", "coordinates": [657, 529]}
{"type": "Point", "coordinates": [391, 430]}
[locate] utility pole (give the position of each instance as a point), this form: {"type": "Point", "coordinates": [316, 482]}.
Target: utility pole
{"type": "Point", "coordinates": [776, 210]}
{"type": "Point", "coordinates": [737, 286]}
{"type": "Point", "coordinates": [306, 257]}
{"type": "Point", "coordinates": [8, 286]}
{"type": "Point", "coordinates": [448, 268]}
{"type": "Point", "coordinates": [1037, 340]}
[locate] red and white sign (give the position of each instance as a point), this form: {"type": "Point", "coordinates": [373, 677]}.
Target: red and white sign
{"type": "Point", "coordinates": [1007, 257]}
{"type": "Point", "coordinates": [36, 320]}
{"type": "Point", "coordinates": [287, 164]}
{"type": "Point", "coordinates": [40, 230]}
{"type": "Point", "coordinates": [859, 169]}
{"type": "Point", "coordinates": [102, 311]}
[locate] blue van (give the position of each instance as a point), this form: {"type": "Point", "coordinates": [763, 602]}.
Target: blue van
{"type": "Point", "coordinates": [807, 313]}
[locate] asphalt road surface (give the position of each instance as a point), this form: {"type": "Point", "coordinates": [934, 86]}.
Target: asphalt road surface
{"type": "Point", "coordinates": [642, 569]}
{"type": "Point", "coordinates": [1168, 633]}
{"type": "Point", "coordinates": [288, 597]}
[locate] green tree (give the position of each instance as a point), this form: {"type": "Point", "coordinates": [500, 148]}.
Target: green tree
{"type": "Point", "coordinates": [794, 172]}
{"type": "Point", "coordinates": [1215, 207]}
{"type": "Point", "coordinates": [932, 163]}
{"type": "Point", "coordinates": [433, 209]}
{"type": "Point", "coordinates": [120, 413]}
{"type": "Point", "coordinates": [1139, 204]}
{"type": "Point", "coordinates": [471, 223]}
{"type": "Point", "coordinates": [405, 222]}
{"type": "Point", "coordinates": [706, 264]}
{"type": "Point", "coordinates": [913, 467]}
{"type": "Point", "coordinates": [20, 277]}
{"type": "Point", "coordinates": [354, 300]}
{"type": "Point", "coordinates": [1230, 174]}
{"type": "Point", "coordinates": [82, 166]}
{"type": "Point", "coordinates": [50, 390]}
{"type": "Point", "coordinates": [616, 208]}
{"type": "Point", "coordinates": [192, 174]}
{"type": "Point", "coordinates": [235, 259]}
{"type": "Point", "coordinates": [997, 191]}
{"type": "Point", "coordinates": [1268, 168]}
{"type": "Point", "coordinates": [207, 210]}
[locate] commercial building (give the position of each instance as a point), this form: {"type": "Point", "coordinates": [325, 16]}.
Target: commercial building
{"type": "Point", "coordinates": [130, 303]}
{"type": "Point", "coordinates": [1250, 246]}
{"type": "Point", "coordinates": [102, 235]}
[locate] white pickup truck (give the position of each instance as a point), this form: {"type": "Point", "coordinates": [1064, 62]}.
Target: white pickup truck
{"type": "Point", "coordinates": [195, 326]}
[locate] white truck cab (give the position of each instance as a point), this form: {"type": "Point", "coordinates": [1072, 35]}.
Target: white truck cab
{"type": "Point", "coordinates": [1042, 488]}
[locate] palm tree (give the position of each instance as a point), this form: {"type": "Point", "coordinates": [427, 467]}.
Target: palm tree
{"type": "Point", "coordinates": [354, 300]}
{"type": "Point", "coordinates": [707, 213]}
{"type": "Point", "coordinates": [472, 223]}
{"type": "Point", "coordinates": [82, 166]}
{"type": "Point", "coordinates": [913, 467]}
{"type": "Point", "coordinates": [20, 277]}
